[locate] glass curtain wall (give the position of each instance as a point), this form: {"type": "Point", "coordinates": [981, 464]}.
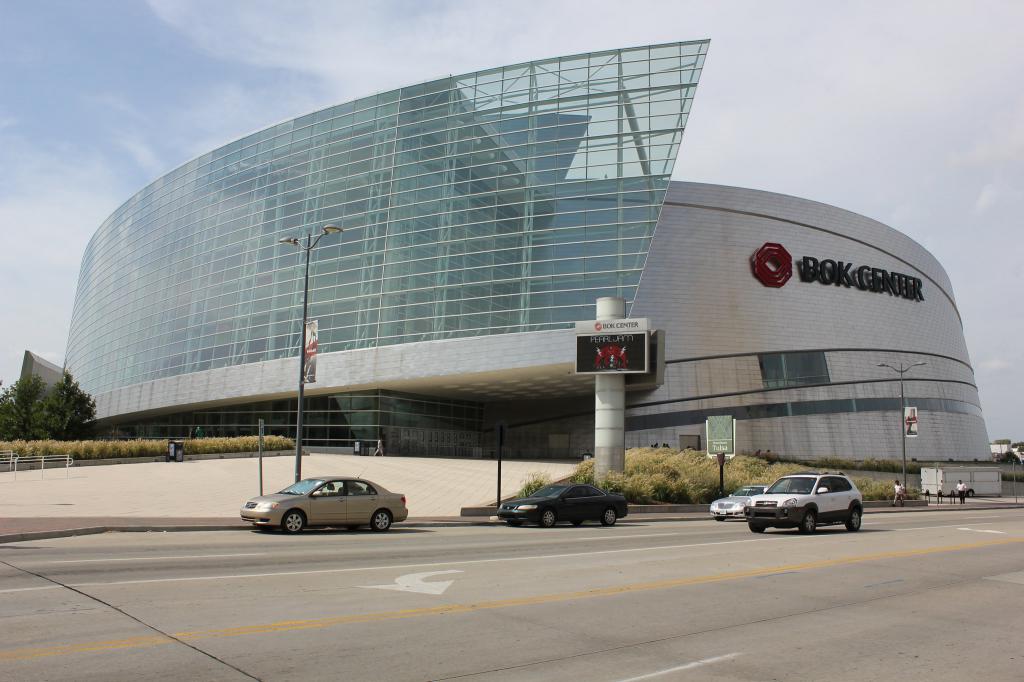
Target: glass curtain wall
{"type": "Point", "coordinates": [407, 422]}
{"type": "Point", "coordinates": [501, 201]}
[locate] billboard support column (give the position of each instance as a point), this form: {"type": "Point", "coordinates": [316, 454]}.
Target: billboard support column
{"type": "Point", "coordinates": [609, 405]}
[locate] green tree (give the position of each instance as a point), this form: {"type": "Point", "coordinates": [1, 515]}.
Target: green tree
{"type": "Point", "coordinates": [21, 414]}
{"type": "Point", "coordinates": [68, 412]}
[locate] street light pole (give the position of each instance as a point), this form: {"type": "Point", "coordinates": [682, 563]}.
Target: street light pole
{"type": "Point", "coordinates": [903, 408]}
{"type": "Point", "coordinates": [308, 248]}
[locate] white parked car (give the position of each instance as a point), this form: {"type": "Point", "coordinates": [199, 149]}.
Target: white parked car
{"type": "Point", "coordinates": [731, 507]}
{"type": "Point", "coordinates": [806, 501]}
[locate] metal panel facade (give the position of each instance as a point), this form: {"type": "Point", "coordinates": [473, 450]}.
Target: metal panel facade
{"type": "Point", "coordinates": [720, 320]}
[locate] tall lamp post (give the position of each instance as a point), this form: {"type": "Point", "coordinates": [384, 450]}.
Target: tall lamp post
{"type": "Point", "coordinates": [308, 248]}
{"type": "Point", "coordinates": [903, 405]}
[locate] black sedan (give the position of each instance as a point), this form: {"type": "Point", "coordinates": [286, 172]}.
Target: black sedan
{"type": "Point", "coordinates": [564, 502]}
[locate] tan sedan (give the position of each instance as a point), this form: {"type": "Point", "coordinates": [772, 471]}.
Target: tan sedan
{"type": "Point", "coordinates": [327, 501]}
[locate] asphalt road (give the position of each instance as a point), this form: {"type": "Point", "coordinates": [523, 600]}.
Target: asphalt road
{"type": "Point", "coordinates": [935, 596]}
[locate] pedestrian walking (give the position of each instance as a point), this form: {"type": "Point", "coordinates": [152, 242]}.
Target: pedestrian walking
{"type": "Point", "coordinates": [897, 495]}
{"type": "Point", "coordinates": [961, 490]}
{"type": "Point", "coordinates": [379, 452]}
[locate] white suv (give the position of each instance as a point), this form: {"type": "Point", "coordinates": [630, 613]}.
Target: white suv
{"type": "Point", "coordinates": [806, 501]}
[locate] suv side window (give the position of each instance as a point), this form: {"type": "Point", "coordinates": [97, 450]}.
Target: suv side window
{"type": "Point", "coordinates": [826, 482]}
{"type": "Point", "coordinates": [840, 485]}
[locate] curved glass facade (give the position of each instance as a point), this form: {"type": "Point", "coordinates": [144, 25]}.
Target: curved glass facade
{"type": "Point", "coordinates": [506, 200]}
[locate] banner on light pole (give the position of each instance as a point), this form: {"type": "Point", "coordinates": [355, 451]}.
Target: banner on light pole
{"type": "Point", "coordinates": [312, 332]}
{"type": "Point", "coordinates": [910, 422]}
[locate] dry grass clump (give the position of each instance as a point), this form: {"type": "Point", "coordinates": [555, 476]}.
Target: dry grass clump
{"type": "Point", "coordinates": [671, 476]}
{"type": "Point", "coordinates": [873, 489]}
{"type": "Point", "coordinates": [533, 483]}
{"type": "Point", "coordinates": [110, 449]}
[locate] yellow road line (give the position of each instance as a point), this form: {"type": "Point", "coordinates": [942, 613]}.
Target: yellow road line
{"type": "Point", "coordinates": [450, 609]}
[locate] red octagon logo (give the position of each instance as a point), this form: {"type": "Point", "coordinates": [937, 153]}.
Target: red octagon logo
{"type": "Point", "coordinates": [772, 265]}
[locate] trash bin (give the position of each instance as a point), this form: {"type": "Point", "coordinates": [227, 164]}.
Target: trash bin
{"type": "Point", "coordinates": [175, 451]}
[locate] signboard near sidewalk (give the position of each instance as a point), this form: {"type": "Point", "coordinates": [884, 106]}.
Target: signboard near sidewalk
{"type": "Point", "coordinates": [721, 435]}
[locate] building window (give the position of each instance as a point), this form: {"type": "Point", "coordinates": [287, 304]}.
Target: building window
{"type": "Point", "coordinates": [782, 370]}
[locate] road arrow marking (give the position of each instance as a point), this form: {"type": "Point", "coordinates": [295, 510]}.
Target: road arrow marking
{"type": "Point", "coordinates": [414, 582]}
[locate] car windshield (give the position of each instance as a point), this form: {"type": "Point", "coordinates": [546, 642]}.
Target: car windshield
{"type": "Point", "coordinates": [748, 491]}
{"type": "Point", "coordinates": [801, 485]}
{"type": "Point", "coordinates": [303, 487]}
{"type": "Point", "coordinates": [550, 491]}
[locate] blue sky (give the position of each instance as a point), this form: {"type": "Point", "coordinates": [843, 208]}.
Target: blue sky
{"type": "Point", "coordinates": [908, 112]}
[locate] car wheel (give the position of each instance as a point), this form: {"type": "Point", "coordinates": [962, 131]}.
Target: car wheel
{"type": "Point", "coordinates": [548, 518]}
{"type": "Point", "coordinates": [853, 523]}
{"type": "Point", "coordinates": [809, 523]}
{"type": "Point", "coordinates": [609, 517]}
{"type": "Point", "coordinates": [577, 523]}
{"type": "Point", "coordinates": [381, 520]}
{"type": "Point", "coordinates": [293, 521]}
{"type": "Point", "coordinates": [755, 527]}
{"type": "Point", "coordinates": [513, 522]}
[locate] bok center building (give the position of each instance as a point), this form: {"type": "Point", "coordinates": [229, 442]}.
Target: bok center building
{"type": "Point", "coordinates": [482, 216]}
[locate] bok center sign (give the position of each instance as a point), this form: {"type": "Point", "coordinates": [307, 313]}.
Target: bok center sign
{"type": "Point", "coordinates": [772, 265]}
{"type": "Point", "coordinates": [612, 346]}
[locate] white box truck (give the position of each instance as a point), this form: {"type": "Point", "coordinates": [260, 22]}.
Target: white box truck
{"type": "Point", "coordinates": [983, 481]}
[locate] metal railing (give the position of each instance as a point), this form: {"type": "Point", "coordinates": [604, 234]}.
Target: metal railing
{"type": "Point", "coordinates": [13, 461]}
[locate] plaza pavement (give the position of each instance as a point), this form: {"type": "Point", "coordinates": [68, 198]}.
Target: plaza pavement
{"type": "Point", "coordinates": [215, 489]}
{"type": "Point", "coordinates": [207, 494]}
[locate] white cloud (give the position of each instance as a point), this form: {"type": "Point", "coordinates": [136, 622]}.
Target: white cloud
{"type": "Point", "coordinates": [51, 202]}
{"type": "Point", "coordinates": [144, 155]}
{"type": "Point", "coordinates": [994, 364]}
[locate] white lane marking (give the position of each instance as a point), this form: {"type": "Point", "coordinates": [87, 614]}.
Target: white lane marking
{"type": "Point", "coordinates": [29, 589]}
{"type": "Point", "coordinates": [685, 666]}
{"type": "Point", "coordinates": [150, 558]}
{"type": "Point", "coordinates": [980, 530]}
{"type": "Point", "coordinates": [464, 562]}
{"type": "Point", "coordinates": [414, 582]}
